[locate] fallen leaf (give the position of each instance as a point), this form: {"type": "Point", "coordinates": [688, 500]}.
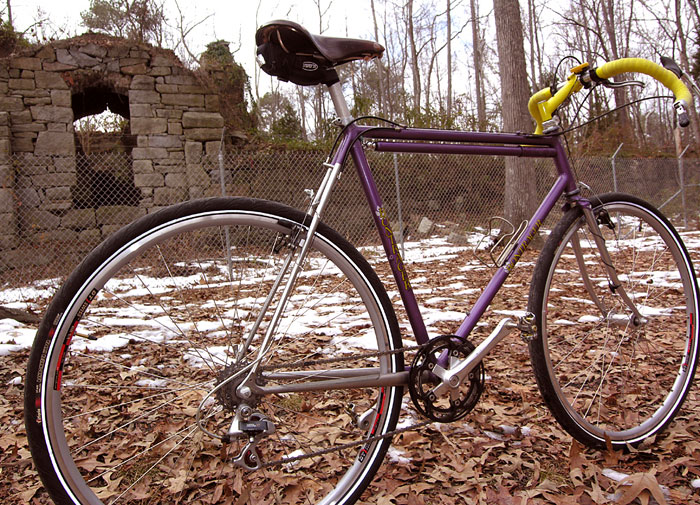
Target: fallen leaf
{"type": "Point", "coordinates": [638, 485]}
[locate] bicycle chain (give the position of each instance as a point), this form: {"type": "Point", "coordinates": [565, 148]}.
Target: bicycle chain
{"type": "Point", "coordinates": [349, 445]}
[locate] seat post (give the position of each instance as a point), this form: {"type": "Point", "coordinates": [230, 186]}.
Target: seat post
{"type": "Point", "coordinates": [340, 104]}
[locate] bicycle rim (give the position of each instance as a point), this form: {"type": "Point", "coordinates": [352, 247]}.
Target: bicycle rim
{"type": "Point", "coordinates": [605, 376]}
{"type": "Point", "coordinates": [158, 323]}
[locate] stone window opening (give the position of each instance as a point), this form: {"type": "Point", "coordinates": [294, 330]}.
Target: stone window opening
{"type": "Point", "coordinates": [104, 172]}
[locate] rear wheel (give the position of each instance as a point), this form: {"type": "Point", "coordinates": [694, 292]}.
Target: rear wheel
{"type": "Point", "coordinates": [148, 335]}
{"type": "Point", "coordinates": [604, 373]}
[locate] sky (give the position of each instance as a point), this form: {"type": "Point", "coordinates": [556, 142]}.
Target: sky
{"type": "Point", "coordinates": [232, 20]}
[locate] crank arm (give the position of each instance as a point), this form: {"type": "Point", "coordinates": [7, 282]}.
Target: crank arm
{"type": "Point", "coordinates": [454, 377]}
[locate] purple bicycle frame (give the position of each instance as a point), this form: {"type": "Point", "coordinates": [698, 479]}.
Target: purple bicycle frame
{"type": "Point", "coordinates": [415, 140]}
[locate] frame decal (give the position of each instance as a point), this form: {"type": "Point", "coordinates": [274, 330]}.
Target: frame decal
{"type": "Point", "coordinates": [523, 247]}
{"type": "Point", "coordinates": [381, 213]}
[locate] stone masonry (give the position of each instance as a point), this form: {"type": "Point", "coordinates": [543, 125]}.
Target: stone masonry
{"type": "Point", "coordinates": [176, 122]}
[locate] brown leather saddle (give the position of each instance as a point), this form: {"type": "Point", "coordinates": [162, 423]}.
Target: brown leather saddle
{"type": "Point", "coordinates": [288, 51]}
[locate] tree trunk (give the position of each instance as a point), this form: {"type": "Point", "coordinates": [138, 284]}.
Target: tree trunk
{"type": "Point", "coordinates": [476, 47]}
{"type": "Point", "coordinates": [612, 29]}
{"type": "Point", "coordinates": [415, 70]}
{"type": "Point", "coordinates": [449, 60]}
{"type": "Point", "coordinates": [302, 110]}
{"type": "Point", "coordinates": [695, 11]}
{"type": "Point", "coordinates": [520, 190]}
{"type": "Point", "coordinates": [685, 65]}
{"type": "Point", "coordinates": [535, 48]}
{"type": "Point", "coordinates": [380, 72]}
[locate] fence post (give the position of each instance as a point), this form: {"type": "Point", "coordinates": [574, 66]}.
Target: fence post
{"type": "Point", "coordinates": [612, 161]}
{"type": "Point", "coordinates": [398, 205]}
{"type": "Point", "coordinates": [681, 178]}
{"type": "Point", "coordinates": [222, 180]}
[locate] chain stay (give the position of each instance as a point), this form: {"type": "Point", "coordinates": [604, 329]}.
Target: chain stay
{"type": "Point", "coordinates": [321, 452]}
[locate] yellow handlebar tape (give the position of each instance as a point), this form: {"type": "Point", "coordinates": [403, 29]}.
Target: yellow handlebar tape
{"type": "Point", "coordinates": [542, 104]}
{"type": "Point", "coordinates": [642, 66]}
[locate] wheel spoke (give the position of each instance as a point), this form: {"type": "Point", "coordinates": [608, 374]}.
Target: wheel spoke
{"type": "Point", "coordinates": [612, 376]}
{"type": "Point", "coordinates": [161, 381]}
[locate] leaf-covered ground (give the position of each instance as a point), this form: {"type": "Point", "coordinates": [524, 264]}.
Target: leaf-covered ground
{"type": "Point", "coordinates": [509, 450]}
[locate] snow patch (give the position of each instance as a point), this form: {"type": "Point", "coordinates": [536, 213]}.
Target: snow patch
{"type": "Point", "coordinates": [15, 336]}
{"type": "Point", "coordinates": [397, 456]}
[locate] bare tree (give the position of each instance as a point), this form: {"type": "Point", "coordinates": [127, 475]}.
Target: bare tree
{"type": "Point", "coordinates": [534, 24]}
{"type": "Point", "coordinates": [184, 29]}
{"type": "Point", "coordinates": [606, 28]}
{"type": "Point", "coordinates": [320, 105]}
{"type": "Point", "coordinates": [685, 64]}
{"type": "Point", "coordinates": [520, 190]}
{"type": "Point", "coordinates": [478, 65]}
{"type": "Point", "coordinates": [415, 68]}
{"type": "Point", "coordinates": [449, 59]}
{"type": "Point", "coordinates": [693, 4]}
{"type": "Point", "coordinates": [140, 20]}
{"type": "Point", "coordinates": [379, 62]}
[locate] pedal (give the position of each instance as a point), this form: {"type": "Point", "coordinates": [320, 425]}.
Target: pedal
{"type": "Point", "coordinates": [528, 328]}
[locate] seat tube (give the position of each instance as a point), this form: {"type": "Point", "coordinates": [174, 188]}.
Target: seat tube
{"type": "Point", "coordinates": [340, 104]}
{"type": "Point", "coordinates": [381, 221]}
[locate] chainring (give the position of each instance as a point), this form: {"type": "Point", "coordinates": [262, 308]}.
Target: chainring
{"type": "Point", "coordinates": [444, 351]}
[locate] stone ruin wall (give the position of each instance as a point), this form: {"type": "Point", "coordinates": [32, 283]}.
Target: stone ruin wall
{"type": "Point", "coordinates": [176, 123]}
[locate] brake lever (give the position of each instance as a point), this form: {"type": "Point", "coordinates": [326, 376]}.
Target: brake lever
{"type": "Point", "coordinates": [689, 80]}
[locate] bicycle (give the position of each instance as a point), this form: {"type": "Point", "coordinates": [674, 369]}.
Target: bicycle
{"type": "Point", "coordinates": [235, 345]}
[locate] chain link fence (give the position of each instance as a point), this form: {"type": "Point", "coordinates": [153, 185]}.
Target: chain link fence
{"type": "Point", "coordinates": [55, 210]}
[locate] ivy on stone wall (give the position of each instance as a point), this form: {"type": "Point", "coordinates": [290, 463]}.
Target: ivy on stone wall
{"type": "Point", "coordinates": [230, 81]}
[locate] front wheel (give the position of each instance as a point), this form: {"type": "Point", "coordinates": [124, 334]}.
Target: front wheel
{"type": "Point", "coordinates": [605, 373]}
{"type": "Point", "coordinates": [139, 387]}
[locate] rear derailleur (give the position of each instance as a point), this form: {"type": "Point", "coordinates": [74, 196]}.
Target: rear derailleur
{"type": "Point", "coordinates": [251, 425]}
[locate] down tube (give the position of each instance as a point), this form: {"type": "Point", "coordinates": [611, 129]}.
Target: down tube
{"type": "Point", "coordinates": [501, 275]}
{"type": "Point", "coordinates": [391, 249]}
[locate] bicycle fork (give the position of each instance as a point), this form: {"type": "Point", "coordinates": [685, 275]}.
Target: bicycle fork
{"type": "Point", "coordinates": [615, 285]}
